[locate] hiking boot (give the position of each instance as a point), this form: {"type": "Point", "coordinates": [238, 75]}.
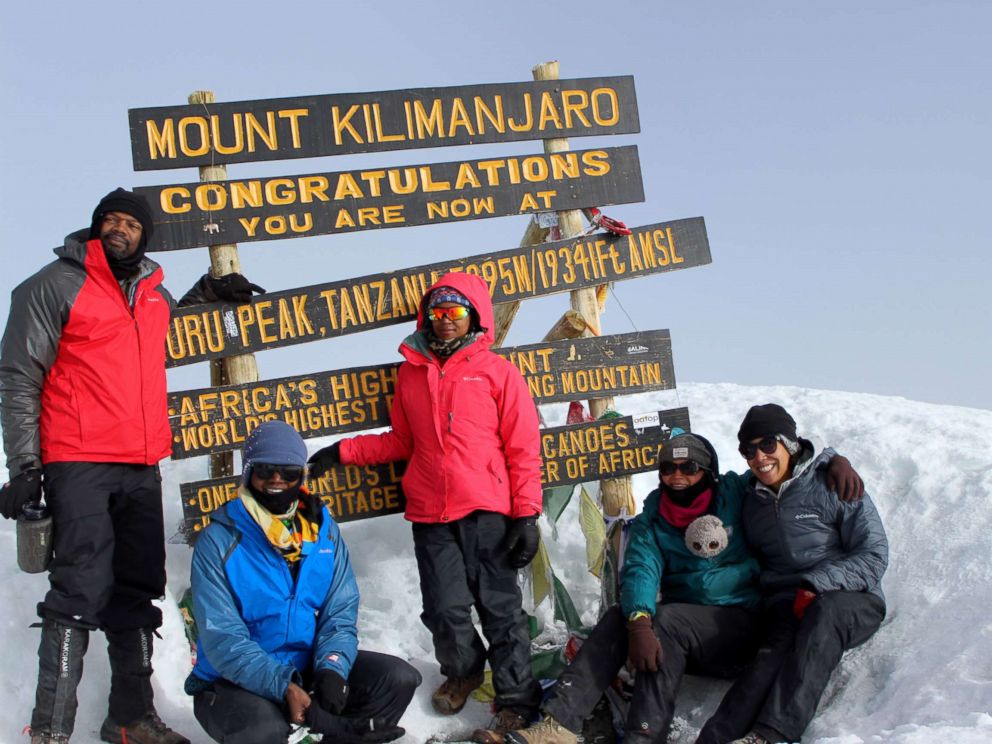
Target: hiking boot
{"type": "Point", "coordinates": [44, 738]}
{"type": "Point", "coordinates": [505, 721]}
{"type": "Point", "coordinates": [453, 693]}
{"type": "Point", "coordinates": [545, 731]}
{"type": "Point", "coordinates": [149, 729]}
{"type": "Point", "coordinates": [751, 738]}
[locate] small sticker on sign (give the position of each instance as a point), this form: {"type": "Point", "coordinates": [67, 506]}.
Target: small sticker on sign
{"type": "Point", "coordinates": [547, 220]}
{"type": "Point", "coordinates": [646, 420]}
{"type": "Point", "coordinates": [230, 324]}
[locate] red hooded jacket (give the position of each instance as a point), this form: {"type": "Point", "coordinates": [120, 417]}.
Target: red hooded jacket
{"type": "Point", "coordinates": [82, 367]}
{"type": "Point", "coordinates": [469, 429]}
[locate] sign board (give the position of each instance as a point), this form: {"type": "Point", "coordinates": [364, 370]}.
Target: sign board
{"type": "Point", "coordinates": [216, 419]}
{"type": "Point", "coordinates": [609, 448]}
{"type": "Point", "coordinates": [347, 123]}
{"type": "Point", "coordinates": [188, 215]}
{"type": "Point", "coordinates": [202, 332]}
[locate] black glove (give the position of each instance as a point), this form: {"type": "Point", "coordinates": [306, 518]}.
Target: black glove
{"type": "Point", "coordinates": [232, 287]}
{"type": "Point", "coordinates": [522, 540]}
{"type": "Point", "coordinates": [324, 459]}
{"type": "Point", "coordinates": [350, 730]}
{"type": "Point", "coordinates": [24, 487]}
{"type": "Point", "coordinates": [843, 479]}
{"type": "Point", "coordinates": [331, 690]}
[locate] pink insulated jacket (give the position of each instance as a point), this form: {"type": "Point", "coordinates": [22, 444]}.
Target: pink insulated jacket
{"type": "Point", "coordinates": [469, 429]}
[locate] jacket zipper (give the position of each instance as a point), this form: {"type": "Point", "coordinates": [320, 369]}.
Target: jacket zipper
{"type": "Point", "coordinates": [451, 414]}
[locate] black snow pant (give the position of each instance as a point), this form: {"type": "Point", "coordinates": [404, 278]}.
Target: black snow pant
{"type": "Point", "coordinates": [379, 686]}
{"type": "Point", "coordinates": [462, 563]}
{"type": "Point", "coordinates": [777, 695]}
{"type": "Point", "coordinates": [699, 639]}
{"type": "Point", "coordinates": [109, 561]}
{"type": "Point", "coordinates": [108, 566]}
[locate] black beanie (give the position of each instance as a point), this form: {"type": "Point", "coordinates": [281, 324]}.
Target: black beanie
{"type": "Point", "coordinates": [687, 446]}
{"type": "Point", "coordinates": [767, 421]}
{"type": "Point", "coordinates": [122, 200]}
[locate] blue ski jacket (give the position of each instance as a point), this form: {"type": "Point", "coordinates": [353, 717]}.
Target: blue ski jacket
{"type": "Point", "coordinates": [258, 627]}
{"type": "Point", "coordinates": [804, 533]}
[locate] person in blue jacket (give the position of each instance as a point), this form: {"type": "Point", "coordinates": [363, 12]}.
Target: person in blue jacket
{"type": "Point", "coordinates": [276, 604]}
{"type": "Point", "coordinates": [822, 561]}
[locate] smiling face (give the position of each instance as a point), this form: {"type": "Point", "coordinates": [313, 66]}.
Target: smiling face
{"type": "Point", "coordinates": [679, 481]}
{"type": "Point", "coordinates": [120, 234]}
{"type": "Point", "coordinates": [770, 469]}
{"type": "Point", "coordinates": [447, 329]}
{"type": "Point", "coordinates": [270, 479]}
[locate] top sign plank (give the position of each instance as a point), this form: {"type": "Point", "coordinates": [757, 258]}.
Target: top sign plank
{"type": "Point", "coordinates": [188, 215]}
{"type": "Point", "coordinates": [348, 123]}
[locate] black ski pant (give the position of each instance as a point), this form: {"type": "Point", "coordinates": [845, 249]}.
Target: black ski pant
{"type": "Point", "coordinates": [379, 686]}
{"type": "Point", "coordinates": [109, 541]}
{"type": "Point", "coordinates": [699, 639]}
{"type": "Point", "coordinates": [462, 563]}
{"type": "Point", "coordinates": [777, 695]}
{"type": "Point", "coordinates": [108, 566]}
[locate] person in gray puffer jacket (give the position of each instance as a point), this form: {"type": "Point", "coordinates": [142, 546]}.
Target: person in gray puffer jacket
{"type": "Point", "coordinates": [822, 561]}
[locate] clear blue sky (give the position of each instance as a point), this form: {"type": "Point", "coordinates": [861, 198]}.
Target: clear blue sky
{"type": "Point", "coordinates": [838, 151]}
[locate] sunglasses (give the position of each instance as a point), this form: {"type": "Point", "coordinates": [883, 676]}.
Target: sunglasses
{"type": "Point", "coordinates": [458, 312]}
{"type": "Point", "coordinates": [686, 468]}
{"type": "Point", "coordinates": [768, 445]}
{"type": "Point", "coordinates": [265, 471]}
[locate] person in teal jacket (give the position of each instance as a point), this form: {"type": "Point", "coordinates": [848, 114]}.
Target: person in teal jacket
{"type": "Point", "coordinates": [689, 600]}
{"type": "Point", "coordinates": [276, 605]}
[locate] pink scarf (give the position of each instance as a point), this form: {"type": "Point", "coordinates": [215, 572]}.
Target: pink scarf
{"type": "Point", "coordinates": [682, 516]}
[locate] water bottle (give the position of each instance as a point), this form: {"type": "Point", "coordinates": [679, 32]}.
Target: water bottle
{"type": "Point", "coordinates": [34, 537]}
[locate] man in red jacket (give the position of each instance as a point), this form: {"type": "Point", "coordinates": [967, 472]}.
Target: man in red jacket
{"type": "Point", "coordinates": [464, 420]}
{"type": "Point", "coordinates": [83, 408]}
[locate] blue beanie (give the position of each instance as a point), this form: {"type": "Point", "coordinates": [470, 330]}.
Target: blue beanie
{"type": "Point", "coordinates": [273, 443]}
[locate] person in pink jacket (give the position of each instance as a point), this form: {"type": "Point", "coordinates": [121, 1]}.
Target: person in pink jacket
{"type": "Point", "coordinates": [464, 420]}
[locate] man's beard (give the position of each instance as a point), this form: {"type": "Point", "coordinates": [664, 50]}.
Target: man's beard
{"type": "Point", "coordinates": [116, 249]}
{"type": "Point", "coordinates": [122, 265]}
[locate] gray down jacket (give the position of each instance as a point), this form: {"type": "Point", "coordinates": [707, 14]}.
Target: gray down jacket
{"type": "Point", "coordinates": [806, 533]}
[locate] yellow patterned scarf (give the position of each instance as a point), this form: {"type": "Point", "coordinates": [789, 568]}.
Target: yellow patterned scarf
{"type": "Point", "coordinates": [287, 532]}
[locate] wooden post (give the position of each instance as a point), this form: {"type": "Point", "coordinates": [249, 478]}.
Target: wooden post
{"type": "Point", "coordinates": [617, 493]}
{"type": "Point", "coordinates": [569, 325]}
{"type": "Point", "coordinates": [224, 260]}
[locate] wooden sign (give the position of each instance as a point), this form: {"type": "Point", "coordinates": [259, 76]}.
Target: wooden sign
{"type": "Point", "coordinates": [188, 215]}
{"type": "Point", "coordinates": [216, 419]}
{"type": "Point", "coordinates": [314, 126]}
{"type": "Point", "coordinates": [580, 453]}
{"type": "Point", "coordinates": [202, 332]}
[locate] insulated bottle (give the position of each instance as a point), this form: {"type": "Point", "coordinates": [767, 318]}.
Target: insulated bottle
{"type": "Point", "coordinates": [34, 537]}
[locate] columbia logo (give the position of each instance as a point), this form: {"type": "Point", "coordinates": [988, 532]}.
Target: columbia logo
{"type": "Point", "coordinates": [325, 550]}
{"type": "Point", "coordinates": [637, 349]}
{"type": "Point", "coordinates": [472, 379]}
{"type": "Point", "coordinates": [807, 515]}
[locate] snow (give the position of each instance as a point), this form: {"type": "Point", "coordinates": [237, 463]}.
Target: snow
{"type": "Point", "coordinates": [926, 676]}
